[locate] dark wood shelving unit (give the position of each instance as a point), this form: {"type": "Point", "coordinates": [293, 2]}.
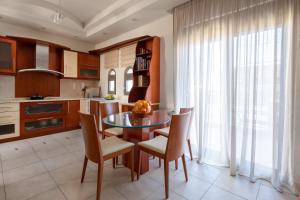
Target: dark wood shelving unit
{"type": "Point", "coordinates": [146, 71]}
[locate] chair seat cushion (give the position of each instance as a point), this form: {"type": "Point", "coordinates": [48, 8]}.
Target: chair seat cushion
{"type": "Point", "coordinates": [114, 131]}
{"type": "Point", "coordinates": [163, 131]}
{"type": "Point", "coordinates": [113, 144]}
{"type": "Point", "coordinates": [157, 144]}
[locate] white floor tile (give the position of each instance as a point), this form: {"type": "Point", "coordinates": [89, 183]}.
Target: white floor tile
{"type": "Point", "coordinates": [50, 153]}
{"type": "Point", "coordinates": [238, 185]}
{"type": "Point", "coordinates": [266, 193]}
{"type": "Point", "coordinates": [21, 173]}
{"type": "Point", "coordinates": [138, 189]}
{"type": "Point", "coordinates": [29, 187]}
{"type": "Point", "coordinates": [53, 194]}
{"type": "Point", "coordinates": [75, 190]}
{"type": "Point", "coordinates": [59, 161]}
{"type": "Point", "coordinates": [19, 162]}
{"type": "Point", "coordinates": [215, 193]}
{"type": "Point", "coordinates": [195, 188]}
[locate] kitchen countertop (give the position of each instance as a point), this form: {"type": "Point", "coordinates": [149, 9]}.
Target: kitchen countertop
{"type": "Point", "coordinates": [21, 100]}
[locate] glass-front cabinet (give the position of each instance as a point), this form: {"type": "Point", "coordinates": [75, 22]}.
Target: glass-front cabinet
{"type": "Point", "coordinates": [85, 72]}
{"type": "Point", "coordinates": [42, 117]}
{"type": "Point", "coordinates": [42, 109]}
{"type": "Point", "coordinates": [7, 56]}
{"type": "Point", "coordinates": [44, 123]}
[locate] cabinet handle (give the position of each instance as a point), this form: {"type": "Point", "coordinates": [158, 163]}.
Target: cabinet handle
{"type": "Point", "coordinates": [46, 118]}
{"type": "Point", "coordinates": [46, 103]}
{"type": "Point", "coordinates": [68, 107]}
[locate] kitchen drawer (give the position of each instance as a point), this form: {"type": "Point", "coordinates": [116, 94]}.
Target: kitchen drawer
{"type": "Point", "coordinates": [9, 117]}
{"type": "Point", "coordinates": [40, 109]}
{"type": "Point", "coordinates": [9, 107]}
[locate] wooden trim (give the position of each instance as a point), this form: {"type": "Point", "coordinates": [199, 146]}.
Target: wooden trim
{"type": "Point", "coordinates": [36, 41]}
{"type": "Point", "coordinates": [119, 45]}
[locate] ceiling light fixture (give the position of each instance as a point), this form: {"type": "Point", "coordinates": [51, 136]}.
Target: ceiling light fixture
{"type": "Point", "coordinates": [58, 16]}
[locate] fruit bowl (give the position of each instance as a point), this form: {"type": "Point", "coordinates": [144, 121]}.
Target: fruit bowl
{"type": "Point", "coordinates": [141, 108]}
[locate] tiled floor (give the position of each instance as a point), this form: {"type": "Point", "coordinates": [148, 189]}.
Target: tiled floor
{"type": "Point", "coordinates": [49, 168]}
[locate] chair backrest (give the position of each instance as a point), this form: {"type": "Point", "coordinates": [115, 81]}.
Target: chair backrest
{"type": "Point", "coordinates": [177, 135]}
{"type": "Point", "coordinates": [184, 110]}
{"type": "Point", "coordinates": [92, 145]}
{"type": "Point", "coordinates": [108, 109]}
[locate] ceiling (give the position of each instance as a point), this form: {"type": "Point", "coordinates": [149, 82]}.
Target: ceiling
{"type": "Point", "coordinates": [88, 20]}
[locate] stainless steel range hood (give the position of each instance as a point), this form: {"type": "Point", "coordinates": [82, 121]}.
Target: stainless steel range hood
{"type": "Point", "coordinates": [42, 61]}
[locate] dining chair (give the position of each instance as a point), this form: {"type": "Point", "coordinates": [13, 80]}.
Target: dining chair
{"type": "Point", "coordinates": [106, 109]}
{"type": "Point", "coordinates": [97, 150]}
{"type": "Point", "coordinates": [168, 148]}
{"type": "Point", "coordinates": [109, 109]}
{"type": "Point", "coordinates": [165, 132]}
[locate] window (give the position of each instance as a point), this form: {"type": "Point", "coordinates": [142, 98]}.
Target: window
{"type": "Point", "coordinates": [128, 80]}
{"type": "Point", "coordinates": [111, 81]}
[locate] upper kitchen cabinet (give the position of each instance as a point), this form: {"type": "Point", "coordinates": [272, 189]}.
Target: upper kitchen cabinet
{"type": "Point", "coordinates": [88, 66]}
{"type": "Point", "coordinates": [70, 64]}
{"type": "Point", "coordinates": [7, 56]}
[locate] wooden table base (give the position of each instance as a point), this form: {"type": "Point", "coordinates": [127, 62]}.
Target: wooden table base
{"type": "Point", "coordinates": [136, 135]}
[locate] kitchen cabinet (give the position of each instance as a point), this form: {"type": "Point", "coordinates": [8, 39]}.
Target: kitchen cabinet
{"type": "Point", "coordinates": [88, 66]}
{"type": "Point", "coordinates": [70, 63]}
{"type": "Point", "coordinates": [38, 118]}
{"type": "Point", "coordinates": [7, 56]}
{"type": "Point", "coordinates": [9, 120]}
{"type": "Point", "coordinates": [73, 117]}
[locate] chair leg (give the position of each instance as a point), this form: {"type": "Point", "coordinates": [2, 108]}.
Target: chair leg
{"type": "Point", "coordinates": [176, 164]}
{"type": "Point", "coordinates": [159, 162]}
{"type": "Point", "coordinates": [184, 167]}
{"type": "Point", "coordinates": [99, 181]}
{"type": "Point", "coordinates": [166, 170]}
{"type": "Point", "coordinates": [190, 148]}
{"type": "Point", "coordinates": [132, 163]}
{"type": "Point", "coordinates": [84, 168]}
{"type": "Point", "coordinates": [139, 164]}
{"type": "Point", "coordinates": [114, 162]}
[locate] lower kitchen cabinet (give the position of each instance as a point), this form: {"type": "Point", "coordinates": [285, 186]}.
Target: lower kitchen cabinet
{"type": "Point", "coordinates": [72, 116]}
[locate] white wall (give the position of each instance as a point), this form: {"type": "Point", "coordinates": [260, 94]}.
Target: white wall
{"type": "Point", "coordinates": [7, 83]}
{"type": "Point", "coordinates": [163, 28]}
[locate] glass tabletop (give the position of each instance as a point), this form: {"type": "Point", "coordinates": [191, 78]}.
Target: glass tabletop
{"type": "Point", "coordinates": [127, 120]}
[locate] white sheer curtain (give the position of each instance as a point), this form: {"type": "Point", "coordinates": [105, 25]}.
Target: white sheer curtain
{"type": "Point", "coordinates": [235, 64]}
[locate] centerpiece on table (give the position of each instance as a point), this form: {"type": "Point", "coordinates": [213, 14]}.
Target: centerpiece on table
{"type": "Point", "coordinates": [141, 108]}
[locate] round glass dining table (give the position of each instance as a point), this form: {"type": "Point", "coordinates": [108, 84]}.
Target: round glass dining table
{"type": "Point", "coordinates": [128, 120]}
{"type": "Point", "coordinates": [137, 129]}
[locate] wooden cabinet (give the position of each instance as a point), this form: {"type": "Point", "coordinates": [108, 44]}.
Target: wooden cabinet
{"type": "Point", "coordinates": [38, 118]}
{"type": "Point", "coordinates": [73, 117]}
{"type": "Point", "coordinates": [88, 66]}
{"type": "Point", "coordinates": [70, 64]}
{"type": "Point", "coordinates": [7, 56]}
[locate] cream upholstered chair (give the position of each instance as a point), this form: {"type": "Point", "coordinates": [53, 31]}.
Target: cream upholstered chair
{"type": "Point", "coordinates": [109, 109]}
{"type": "Point", "coordinates": [165, 132]}
{"type": "Point", "coordinates": [168, 148]}
{"type": "Point", "coordinates": [98, 150]}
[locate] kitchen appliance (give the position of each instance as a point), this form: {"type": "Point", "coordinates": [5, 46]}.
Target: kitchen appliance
{"type": "Point", "coordinates": [36, 97]}
{"type": "Point", "coordinates": [41, 61]}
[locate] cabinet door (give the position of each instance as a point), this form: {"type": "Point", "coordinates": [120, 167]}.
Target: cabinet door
{"type": "Point", "coordinates": [7, 56]}
{"type": "Point", "coordinates": [73, 118]}
{"type": "Point", "coordinates": [85, 72]}
{"type": "Point", "coordinates": [70, 64]}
